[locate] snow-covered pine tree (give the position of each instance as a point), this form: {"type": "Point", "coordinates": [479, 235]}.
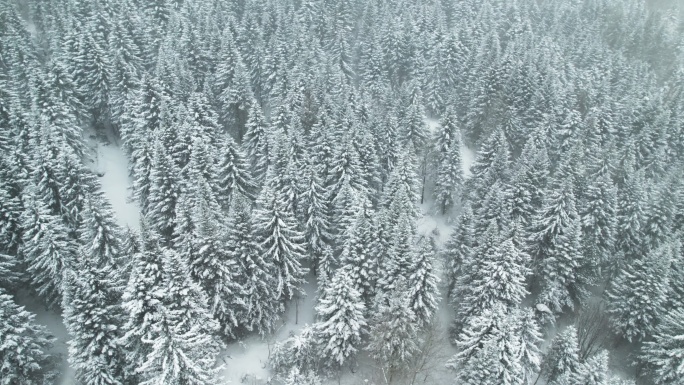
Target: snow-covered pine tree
{"type": "Point", "coordinates": [182, 346]}
{"type": "Point", "coordinates": [492, 163]}
{"type": "Point", "coordinates": [555, 248]}
{"type": "Point", "coordinates": [563, 355]}
{"type": "Point", "coordinates": [448, 175]}
{"type": "Point", "coordinates": [233, 173]}
{"type": "Point", "coordinates": [394, 333]}
{"type": "Point", "coordinates": [47, 249]}
{"type": "Point", "coordinates": [401, 254]}
{"type": "Point", "coordinates": [470, 270]}
{"type": "Point", "coordinates": [99, 235]}
{"type": "Point", "coordinates": [530, 343]}
{"type": "Point", "coordinates": [260, 309]}
{"type": "Point", "coordinates": [631, 217]}
{"type": "Point", "coordinates": [422, 283]}
{"type": "Point", "coordinates": [341, 321]}
{"type": "Point", "coordinates": [297, 351]}
{"type": "Point", "coordinates": [315, 202]}
{"type": "Point", "coordinates": [502, 278]}
{"type": "Point", "coordinates": [142, 298]}
{"type": "Point", "coordinates": [356, 258]}
{"type": "Point", "coordinates": [25, 349]}
{"type": "Point", "coordinates": [663, 354]}
{"type": "Point", "coordinates": [93, 317]}
{"type": "Point", "coordinates": [639, 293]}
{"type": "Point", "coordinates": [164, 191]}
{"type": "Point", "coordinates": [529, 181]}
{"type": "Point", "coordinates": [213, 268]}
{"type": "Point", "coordinates": [459, 248]}
{"type": "Point", "coordinates": [144, 115]}
{"type": "Point", "coordinates": [55, 95]}
{"type": "Point", "coordinates": [281, 244]}
{"type": "Point", "coordinates": [346, 204]}
{"type": "Point", "coordinates": [598, 215]}
{"type": "Point", "coordinates": [594, 371]}
{"type": "Point", "coordinates": [257, 142]}
{"type": "Point", "coordinates": [489, 349]}
{"type": "Point", "coordinates": [94, 69]}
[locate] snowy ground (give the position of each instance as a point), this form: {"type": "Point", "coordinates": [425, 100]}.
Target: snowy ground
{"type": "Point", "coordinates": [109, 161]}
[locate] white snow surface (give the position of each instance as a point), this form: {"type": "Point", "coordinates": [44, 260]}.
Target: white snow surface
{"type": "Point", "coordinates": [110, 162]}
{"type": "Point", "coordinates": [246, 361]}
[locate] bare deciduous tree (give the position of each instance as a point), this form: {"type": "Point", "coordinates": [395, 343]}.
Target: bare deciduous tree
{"type": "Point", "coordinates": [592, 330]}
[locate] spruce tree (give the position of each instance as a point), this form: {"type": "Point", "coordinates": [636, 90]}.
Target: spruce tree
{"type": "Point", "coordinates": [233, 172]}
{"type": "Point", "coordinates": [639, 293]}
{"type": "Point", "coordinates": [555, 248]}
{"type": "Point", "coordinates": [93, 316]}
{"type": "Point", "coordinates": [316, 208]}
{"type": "Point", "coordinates": [503, 278]}
{"type": "Point", "coordinates": [47, 249]}
{"type": "Point", "coordinates": [182, 347]}
{"type": "Point", "coordinates": [142, 299]}
{"type": "Point", "coordinates": [663, 354]}
{"type": "Point", "coordinates": [598, 215]}
{"type": "Point", "coordinates": [448, 174]}
{"type": "Point", "coordinates": [393, 334]}
{"type": "Point", "coordinates": [563, 355]}
{"type": "Point", "coordinates": [357, 258]}
{"type": "Point", "coordinates": [459, 249]}
{"type": "Point", "coordinates": [164, 191]}
{"type": "Point", "coordinates": [423, 283]}
{"type": "Point", "coordinates": [594, 371]}
{"type": "Point", "coordinates": [341, 321]}
{"type": "Point", "coordinates": [24, 352]}
{"type": "Point", "coordinates": [489, 349]}
{"type": "Point", "coordinates": [281, 244]}
{"type": "Point", "coordinates": [260, 309]}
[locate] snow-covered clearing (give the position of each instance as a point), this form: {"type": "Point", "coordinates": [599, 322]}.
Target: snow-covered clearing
{"type": "Point", "coordinates": [246, 361]}
{"type": "Point", "coordinates": [111, 164]}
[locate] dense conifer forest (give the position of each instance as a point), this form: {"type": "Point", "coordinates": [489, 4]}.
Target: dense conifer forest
{"type": "Point", "coordinates": [480, 192]}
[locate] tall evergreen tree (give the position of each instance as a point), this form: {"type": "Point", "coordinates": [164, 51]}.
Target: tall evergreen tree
{"type": "Point", "coordinates": [640, 292]}
{"type": "Point", "coordinates": [316, 207]}
{"type": "Point", "coordinates": [342, 323]}
{"type": "Point", "coordinates": [448, 176]}
{"type": "Point", "coordinates": [555, 248]}
{"type": "Point", "coordinates": [663, 354]}
{"type": "Point", "coordinates": [233, 172]}
{"type": "Point", "coordinates": [260, 306]}
{"type": "Point", "coordinates": [357, 258]}
{"type": "Point", "coordinates": [46, 248]}
{"type": "Point", "coordinates": [92, 314]}
{"type": "Point", "coordinates": [281, 244]}
{"type": "Point", "coordinates": [563, 355]}
{"type": "Point", "coordinates": [423, 284]}
{"type": "Point", "coordinates": [182, 347]}
{"type": "Point", "coordinates": [24, 352]}
{"type": "Point", "coordinates": [164, 191]}
{"type": "Point", "coordinates": [393, 335]}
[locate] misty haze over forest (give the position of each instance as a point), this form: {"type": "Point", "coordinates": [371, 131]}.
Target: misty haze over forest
{"type": "Point", "coordinates": [318, 192]}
